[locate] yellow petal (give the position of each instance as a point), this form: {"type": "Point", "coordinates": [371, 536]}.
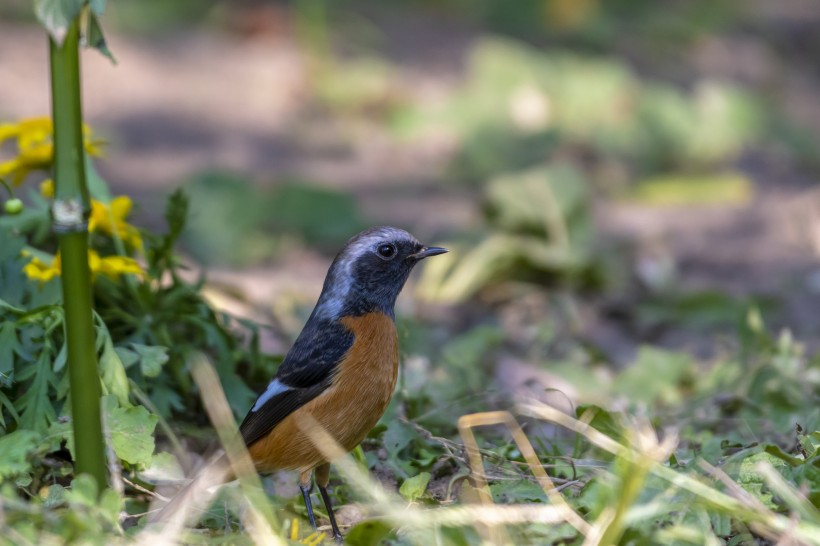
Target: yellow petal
{"type": "Point", "coordinates": [8, 167]}
{"type": "Point", "coordinates": [114, 266]}
{"type": "Point", "coordinates": [120, 207]}
{"type": "Point", "coordinates": [38, 270]}
{"type": "Point", "coordinates": [8, 130]}
{"type": "Point", "coordinates": [94, 261]}
{"type": "Point", "coordinates": [47, 188]}
{"type": "Point", "coordinates": [99, 217]}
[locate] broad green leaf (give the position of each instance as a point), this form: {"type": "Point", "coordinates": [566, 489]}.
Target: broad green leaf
{"type": "Point", "coordinates": [396, 437]}
{"type": "Point", "coordinates": [414, 488]}
{"type": "Point", "coordinates": [83, 491]}
{"type": "Point", "coordinates": [151, 358]}
{"type": "Point", "coordinates": [127, 356]}
{"type": "Point", "coordinates": [748, 467]}
{"type": "Point", "coordinates": [131, 430]}
{"type": "Point", "coordinates": [162, 467]}
{"type": "Point", "coordinates": [56, 16]}
{"type": "Point", "coordinates": [55, 496]}
{"type": "Point", "coordinates": [543, 199]}
{"type": "Point", "coordinates": [110, 505]}
{"type": "Point", "coordinates": [656, 376]}
{"type": "Point", "coordinates": [368, 533]}
{"type": "Point", "coordinates": [517, 491]}
{"type": "Point", "coordinates": [112, 371]}
{"type": "Point", "coordinates": [14, 450]}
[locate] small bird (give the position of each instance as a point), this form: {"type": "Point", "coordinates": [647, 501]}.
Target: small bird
{"type": "Point", "coordinates": [342, 367]}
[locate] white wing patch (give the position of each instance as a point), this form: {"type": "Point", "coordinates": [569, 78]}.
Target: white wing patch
{"type": "Point", "coordinates": [274, 387]}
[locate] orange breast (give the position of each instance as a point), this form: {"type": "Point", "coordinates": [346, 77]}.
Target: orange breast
{"type": "Point", "coordinates": [359, 393]}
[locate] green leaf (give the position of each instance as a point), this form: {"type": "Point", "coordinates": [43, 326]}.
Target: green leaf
{"type": "Point", "coordinates": [163, 466]}
{"type": "Point", "coordinates": [34, 406]}
{"type": "Point", "coordinates": [656, 376]}
{"type": "Point", "coordinates": [14, 450]}
{"type": "Point", "coordinates": [57, 15]}
{"type": "Point", "coordinates": [776, 451]}
{"type": "Point", "coordinates": [94, 38]}
{"type": "Point", "coordinates": [810, 443]}
{"type": "Point", "coordinates": [544, 199]}
{"type": "Point", "coordinates": [127, 356]}
{"type": "Point", "coordinates": [112, 371]}
{"type": "Point", "coordinates": [8, 346]}
{"type": "Point", "coordinates": [517, 491]}
{"type": "Point", "coordinates": [132, 431]}
{"type": "Point", "coordinates": [83, 491]}
{"type": "Point", "coordinates": [97, 186]}
{"type": "Point", "coordinates": [368, 533]}
{"type": "Point", "coordinates": [9, 405]}
{"type": "Point", "coordinates": [62, 358]}
{"type": "Point", "coordinates": [601, 420]}
{"type": "Point", "coordinates": [151, 358]}
{"type": "Point", "coordinates": [55, 497]}
{"type": "Point", "coordinates": [414, 488]}
{"type": "Point", "coordinates": [396, 437]}
{"type": "Point", "coordinates": [110, 505]}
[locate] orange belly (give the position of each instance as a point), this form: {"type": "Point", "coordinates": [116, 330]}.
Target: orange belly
{"type": "Point", "coordinates": [357, 397]}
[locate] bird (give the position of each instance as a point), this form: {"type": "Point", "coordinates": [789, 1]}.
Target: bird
{"type": "Point", "coordinates": [342, 367]}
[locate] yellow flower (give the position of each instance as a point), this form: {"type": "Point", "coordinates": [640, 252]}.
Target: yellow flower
{"type": "Point", "coordinates": [35, 147]}
{"type": "Point", "coordinates": [38, 270]}
{"type": "Point", "coordinates": [110, 220]}
{"type": "Point", "coordinates": [110, 266]}
{"type": "Point", "coordinates": [47, 188]}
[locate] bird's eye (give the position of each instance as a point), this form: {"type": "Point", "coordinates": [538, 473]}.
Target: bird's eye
{"type": "Point", "coordinates": [386, 251]}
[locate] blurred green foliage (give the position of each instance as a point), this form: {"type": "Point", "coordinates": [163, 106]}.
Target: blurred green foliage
{"type": "Point", "coordinates": [540, 230]}
{"type": "Point", "coordinates": [235, 223]}
{"type": "Point", "coordinates": [520, 106]}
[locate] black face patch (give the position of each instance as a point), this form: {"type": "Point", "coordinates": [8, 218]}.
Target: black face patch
{"type": "Point", "coordinates": [377, 280]}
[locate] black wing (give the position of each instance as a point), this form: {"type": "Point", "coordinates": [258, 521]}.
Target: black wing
{"type": "Point", "coordinates": [307, 371]}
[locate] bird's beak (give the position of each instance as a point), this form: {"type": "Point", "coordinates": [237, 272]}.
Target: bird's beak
{"type": "Point", "coordinates": [428, 251]}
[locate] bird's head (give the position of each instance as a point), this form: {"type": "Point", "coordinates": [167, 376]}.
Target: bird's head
{"type": "Point", "coordinates": [370, 271]}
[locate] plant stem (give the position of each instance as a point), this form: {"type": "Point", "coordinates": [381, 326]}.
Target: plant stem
{"type": "Point", "coordinates": [70, 222]}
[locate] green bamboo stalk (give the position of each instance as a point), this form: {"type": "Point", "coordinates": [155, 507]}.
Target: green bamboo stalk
{"type": "Point", "coordinates": [70, 214]}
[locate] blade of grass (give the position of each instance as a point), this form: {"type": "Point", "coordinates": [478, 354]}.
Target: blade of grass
{"type": "Point", "coordinates": [262, 521]}
{"type": "Point", "coordinates": [764, 521]}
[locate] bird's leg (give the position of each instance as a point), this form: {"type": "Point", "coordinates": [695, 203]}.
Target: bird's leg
{"type": "Point", "coordinates": [322, 477]}
{"type": "Point", "coordinates": [306, 485]}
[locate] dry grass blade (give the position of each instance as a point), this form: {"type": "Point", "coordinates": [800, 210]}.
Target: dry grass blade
{"type": "Point", "coordinates": [795, 499]}
{"type": "Point", "coordinates": [183, 508]}
{"type": "Point", "coordinates": [392, 508]}
{"type": "Point", "coordinates": [764, 521]}
{"type": "Point", "coordinates": [261, 520]}
{"type": "Point", "coordinates": [465, 425]}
